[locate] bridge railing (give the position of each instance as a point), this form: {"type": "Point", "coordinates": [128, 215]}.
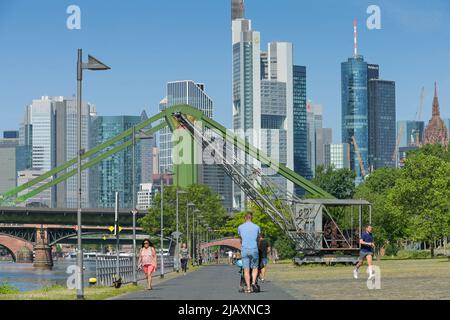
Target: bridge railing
{"type": "Point", "coordinates": [106, 267]}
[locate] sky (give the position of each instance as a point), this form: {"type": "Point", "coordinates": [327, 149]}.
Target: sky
{"type": "Point", "coordinates": [150, 42]}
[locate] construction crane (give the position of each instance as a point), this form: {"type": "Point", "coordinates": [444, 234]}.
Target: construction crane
{"type": "Point", "coordinates": [421, 102]}
{"type": "Point", "coordinates": [358, 153]}
{"type": "Point", "coordinates": [399, 139]}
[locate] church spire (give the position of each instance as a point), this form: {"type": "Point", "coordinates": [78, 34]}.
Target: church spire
{"type": "Point", "coordinates": [436, 111]}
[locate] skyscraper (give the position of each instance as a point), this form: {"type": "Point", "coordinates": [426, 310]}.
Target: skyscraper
{"type": "Point", "coordinates": [337, 156]}
{"type": "Point", "coordinates": [324, 136]}
{"type": "Point", "coordinates": [355, 111]}
{"type": "Point", "coordinates": [146, 160]}
{"type": "Point", "coordinates": [114, 174]}
{"type": "Point", "coordinates": [301, 163]}
{"type": "Point", "coordinates": [382, 120]}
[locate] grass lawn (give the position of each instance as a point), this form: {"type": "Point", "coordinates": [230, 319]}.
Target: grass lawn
{"type": "Point", "coordinates": [91, 293]}
{"type": "Point", "coordinates": [400, 280]}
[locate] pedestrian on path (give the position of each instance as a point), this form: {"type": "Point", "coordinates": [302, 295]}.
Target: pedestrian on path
{"type": "Point", "coordinates": [249, 234]}
{"type": "Point", "coordinates": [264, 249]}
{"type": "Point", "coordinates": [147, 261]}
{"type": "Point", "coordinates": [184, 253]}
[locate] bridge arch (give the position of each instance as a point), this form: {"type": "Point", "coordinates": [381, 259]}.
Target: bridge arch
{"type": "Point", "coordinates": [228, 242]}
{"type": "Point", "coordinates": [14, 244]}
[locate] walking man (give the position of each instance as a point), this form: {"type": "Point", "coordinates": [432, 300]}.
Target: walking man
{"type": "Point", "coordinates": [249, 234]}
{"type": "Point", "coordinates": [264, 249]}
{"type": "Point", "coordinates": [366, 252]}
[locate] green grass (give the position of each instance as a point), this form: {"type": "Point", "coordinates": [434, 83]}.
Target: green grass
{"type": "Point", "coordinates": [6, 288]}
{"type": "Point", "coordinates": [400, 280]}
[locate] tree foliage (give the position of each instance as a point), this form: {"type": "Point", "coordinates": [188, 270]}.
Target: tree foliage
{"type": "Point", "coordinates": [337, 182]}
{"type": "Point", "coordinates": [208, 203]}
{"type": "Point", "coordinates": [421, 196]}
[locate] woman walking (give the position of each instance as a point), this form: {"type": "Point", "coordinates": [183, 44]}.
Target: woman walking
{"type": "Point", "coordinates": [147, 260]}
{"type": "Point", "coordinates": [184, 253]}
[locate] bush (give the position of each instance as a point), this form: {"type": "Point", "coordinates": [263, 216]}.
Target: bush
{"type": "Point", "coordinates": [7, 288]}
{"type": "Point", "coordinates": [414, 254]}
{"type": "Point", "coordinates": [285, 248]}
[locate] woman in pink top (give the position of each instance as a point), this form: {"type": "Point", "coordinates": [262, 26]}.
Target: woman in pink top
{"type": "Point", "coordinates": [147, 259]}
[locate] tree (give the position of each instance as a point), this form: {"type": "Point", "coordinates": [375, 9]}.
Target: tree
{"type": "Point", "coordinates": [208, 203]}
{"type": "Point", "coordinates": [421, 196]}
{"type": "Point", "coordinates": [389, 227]}
{"type": "Point", "coordinates": [337, 182]}
{"type": "Point", "coordinates": [436, 150]}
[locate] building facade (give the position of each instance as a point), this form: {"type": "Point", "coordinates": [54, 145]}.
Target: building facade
{"type": "Point", "coordinates": [382, 120]}
{"type": "Point", "coordinates": [301, 164]}
{"type": "Point", "coordinates": [337, 156]}
{"type": "Point", "coordinates": [114, 174]}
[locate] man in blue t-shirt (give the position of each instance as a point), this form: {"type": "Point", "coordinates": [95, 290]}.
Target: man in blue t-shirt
{"type": "Point", "coordinates": [249, 233]}
{"type": "Point", "coordinates": [366, 252]}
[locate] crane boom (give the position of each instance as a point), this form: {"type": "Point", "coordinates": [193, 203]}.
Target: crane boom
{"type": "Point", "coordinates": [358, 153]}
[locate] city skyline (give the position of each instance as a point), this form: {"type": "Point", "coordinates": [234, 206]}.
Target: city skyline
{"type": "Point", "coordinates": [22, 70]}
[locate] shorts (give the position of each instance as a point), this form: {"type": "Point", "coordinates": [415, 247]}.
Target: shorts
{"type": "Point", "coordinates": [149, 268]}
{"type": "Point", "coordinates": [264, 262]}
{"type": "Point", "coordinates": [364, 254]}
{"type": "Point", "coordinates": [250, 259]}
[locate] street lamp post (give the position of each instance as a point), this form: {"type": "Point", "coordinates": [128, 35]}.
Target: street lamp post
{"type": "Point", "coordinates": [188, 240]}
{"type": "Point", "coordinates": [95, 65]}
{"type": "Point", "coordinates": [142, 136]}
{"type": "Point", "coordinates": [177, 258]}
{"type": "Point", "coordinates": [162, 225]}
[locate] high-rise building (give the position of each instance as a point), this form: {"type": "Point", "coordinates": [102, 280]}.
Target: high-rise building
{"type": "Point", "coordinates": [355, 121]}
{"type": "Point", "coordinates": [147, 158]}
{"type": "Point", "coordinates": [436, 131]}
{"type": "Point", "coordinates": [114, 174]}
{"type": "Point", "coordinates": [145, 196]}
{"type": "Point", "coordinates": [11, 134]}
{"type": "Point", "coordinates": [237, 9]}
{"type": "Point", "coordinates": [11, 161]}
{"type": "Point", "coordinates": [212, 175]}
{"type": "Point", "coordinates": [301, 163]}
{"type": "Point", "coordinates": [337, 156]}
{"type": "Point", "coordinates": [410, 133]}
{"type": "Point", "coordinates": [382, 120]}
{"type": "Point", "coordinates": [44, 198]}
{"type": "Point", "coordinates": [246, 76]}
{"type": "Point", "coordinates": [324, 136]}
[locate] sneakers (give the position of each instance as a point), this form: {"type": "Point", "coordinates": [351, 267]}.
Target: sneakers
{"type": "Point", "coordinates": [355, 273]}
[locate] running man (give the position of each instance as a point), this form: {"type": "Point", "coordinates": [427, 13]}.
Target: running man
{"type": "Point", "coordinates": [366, 252]}
{"type": "Point", "coordinates": [249, 234]}
{"type": "Point", "coordinates": [264, 249]}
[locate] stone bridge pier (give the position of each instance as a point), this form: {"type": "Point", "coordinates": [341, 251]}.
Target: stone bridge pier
{"type": "Point", "coordinates": [22, 249]}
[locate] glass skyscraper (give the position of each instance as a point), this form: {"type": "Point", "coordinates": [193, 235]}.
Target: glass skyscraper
{"type": "Point", "coordinates": [301, 163]}
{"type": "Point", "coordinates": [382, 120]}
{"type": "Point", "coordinates": [115, 173]}
{"type": "Point", "coordinates": [355, 121]}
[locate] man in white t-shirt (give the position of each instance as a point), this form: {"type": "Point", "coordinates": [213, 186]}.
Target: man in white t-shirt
{"type": "Point", "coordinates": [230, 257]}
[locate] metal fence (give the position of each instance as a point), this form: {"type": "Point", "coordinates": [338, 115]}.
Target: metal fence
{"type": "Point", "coordinates": [106, 266]}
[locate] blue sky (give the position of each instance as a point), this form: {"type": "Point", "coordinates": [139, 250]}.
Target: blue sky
{"type": "Point", "coordinates": [148, 43]}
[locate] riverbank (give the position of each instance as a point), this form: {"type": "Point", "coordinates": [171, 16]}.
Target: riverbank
{"type": "Point", "coordinates": [57, 292]}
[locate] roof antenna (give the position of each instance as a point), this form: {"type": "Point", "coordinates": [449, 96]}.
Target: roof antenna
{"type": "Point", "coordinates": [355, 49]}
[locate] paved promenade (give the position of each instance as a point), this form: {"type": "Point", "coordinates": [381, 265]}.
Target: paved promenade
{"type": "Point", "coordinates": [216, 282]}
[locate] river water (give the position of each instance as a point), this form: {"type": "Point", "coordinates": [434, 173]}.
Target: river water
{"type": "Point", "coordinates": [26, 278]}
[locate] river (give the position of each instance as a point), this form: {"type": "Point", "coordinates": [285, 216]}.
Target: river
{"type": "Point", "coordinates": [26, 278]}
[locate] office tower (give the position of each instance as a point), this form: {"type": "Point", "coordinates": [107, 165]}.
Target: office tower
{"type": "Point", "coordinates": [264, 65]}
{"type": "Point", "coordinates": [410, 133]}
{"type": "Point", "coordinates": [337, 156]}
{"type": "Point", "coordinates": [246, 77]}
{"type": "Point", "coordinates": [311, 136]}
{"type": "Point", "coordinates": [145, 196]}
{"type": "Point", "coordinates": [324, 136]}
{"type": "Point", "coordinates": [44, 198]}
{"type": "Point", "coordinates": [382, 120]}
{"type": "Point", "coordinates": [193, 94]}
{"type": "Point", "coordinates": [237, 9]}
{"type": "Point", "coordinates": [26, 137]}
{"type": "Point", "coordinates": [11, 134]}
{"type": "Point", "coordinates": [373, 72]}
{"type": "Point", "coordinates": [147, 161]}
{"type": "Point", "coordinates": [436, 131]}
{"type": "Point", "coordinates": [302, 165]}
{"type": "Point", "coordinates": [447, 124]}
{"type": "Point", "coordinates": [10, 161]}
{"type": "Point", "coordinates": [114, 174]}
